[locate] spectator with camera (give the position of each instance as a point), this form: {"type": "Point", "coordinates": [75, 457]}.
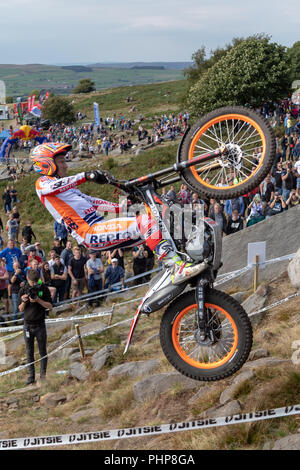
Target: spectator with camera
{"type": "Point", "coordinates": [293, 199]}
{"type": "Point", "coordinates": [276, 206]}
{"type": "Point", "coordinates": [288, 180]}
{"type": "Point", "coordinates": [34, 301]}
{"type": "Point", "coordinates": [139, 263]}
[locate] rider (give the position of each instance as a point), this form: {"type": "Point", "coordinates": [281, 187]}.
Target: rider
{"type": "Point", "coordinates": [80, 213]}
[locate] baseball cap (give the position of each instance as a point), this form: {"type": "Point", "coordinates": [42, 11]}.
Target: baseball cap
{"type": "Point", "coordinates": [114, 260]}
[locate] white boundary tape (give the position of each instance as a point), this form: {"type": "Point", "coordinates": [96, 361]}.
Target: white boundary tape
{"type": "Point", "coordinates": [97, 436]}
{"type": "Point", "coordinates": [75, 318]}
{"type": "Point", "coordinates": [69, 341]}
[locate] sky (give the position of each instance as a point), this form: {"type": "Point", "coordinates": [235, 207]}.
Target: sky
{"type": "Point", "coordinates": [89, 31]}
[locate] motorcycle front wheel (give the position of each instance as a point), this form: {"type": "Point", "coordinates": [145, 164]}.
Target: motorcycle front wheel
{"type": "Point", "coordinates": [206, 360]}
{"type": "Point", "coordinates": [250, 152]}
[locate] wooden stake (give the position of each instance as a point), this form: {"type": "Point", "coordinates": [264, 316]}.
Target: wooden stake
{"type": "Point", "coordinates": [80, 341]}
{"type": "Point", "coordinates": [255, 285]}
{"type": "Point", "coordinates": [111, 315]}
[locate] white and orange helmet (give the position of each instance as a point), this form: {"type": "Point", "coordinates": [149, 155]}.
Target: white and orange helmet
{"type": "Point", "coordinates": [43, 157]}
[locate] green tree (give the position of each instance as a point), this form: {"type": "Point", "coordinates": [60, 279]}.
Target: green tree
{"type": "Point", "coordinates": [252, 72]}
{"type": "Point", "coordinates": [294, 55]}
{"type": "Point", "coordinates": [36, 93]}
{"type": "Point", "coordinates": [201, 63]}
{"type": "Point", "coordinates": [9, 99]}
{"type": "Point", "coordinates": [85, 86]}
{"type": "Point", "coordinates": [59, 110]}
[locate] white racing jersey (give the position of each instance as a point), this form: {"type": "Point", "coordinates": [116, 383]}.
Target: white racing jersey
{"type": "Point", "coordinates": [79, 213]}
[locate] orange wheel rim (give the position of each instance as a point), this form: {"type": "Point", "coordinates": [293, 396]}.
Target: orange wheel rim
{"type": "Point", "coordinates": [218, 120]}
{"type": "Point", "coordinates": [177, 331]}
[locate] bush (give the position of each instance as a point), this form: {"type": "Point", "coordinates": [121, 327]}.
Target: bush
{"type": "Point", "coordinates": [251, 73]}
{"type": "Point", "coordinates": [59, 110]}
{"type": "Point", "coordinates": [85, 86]}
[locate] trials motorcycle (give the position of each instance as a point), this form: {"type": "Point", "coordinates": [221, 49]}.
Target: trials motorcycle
{"type": "Point", "coordinates": [205, 334]}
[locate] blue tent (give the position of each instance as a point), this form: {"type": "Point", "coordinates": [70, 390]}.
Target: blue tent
{"type": "Point", "coordinates": [4, 134]}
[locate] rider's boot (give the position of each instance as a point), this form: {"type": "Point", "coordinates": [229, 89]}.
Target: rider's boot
{"type": "Point", "coordinates": [181, 271]}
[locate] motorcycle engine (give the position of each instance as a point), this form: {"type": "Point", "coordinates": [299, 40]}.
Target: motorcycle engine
{"type": "Point", "coordinates": [205, 243]}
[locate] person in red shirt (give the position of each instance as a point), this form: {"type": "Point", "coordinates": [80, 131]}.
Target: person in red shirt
{"type": "Point", "coordinates": [33, 255]}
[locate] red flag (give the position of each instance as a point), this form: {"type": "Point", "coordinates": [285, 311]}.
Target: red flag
{"type": "Point", "coordinates": [29, 104]}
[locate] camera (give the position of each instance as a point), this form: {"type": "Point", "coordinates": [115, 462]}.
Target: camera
{"type": "Point", "coordinates": [34, 292]}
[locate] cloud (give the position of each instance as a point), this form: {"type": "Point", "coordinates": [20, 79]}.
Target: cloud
{"type": "Point", "coordinates": [92, 30]}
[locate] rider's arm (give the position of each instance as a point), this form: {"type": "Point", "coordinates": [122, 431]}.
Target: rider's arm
{"type": "Point", "coordinates": [49, 186]}
{"type": "Point", "coordinates": [105, 206]}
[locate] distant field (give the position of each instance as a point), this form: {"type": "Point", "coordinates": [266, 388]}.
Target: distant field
{"type": "Point", "coordinates": [22, 79]}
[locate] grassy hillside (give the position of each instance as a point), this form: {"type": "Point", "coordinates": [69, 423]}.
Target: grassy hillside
{"type": "Point", "coordinates": [148, 100]}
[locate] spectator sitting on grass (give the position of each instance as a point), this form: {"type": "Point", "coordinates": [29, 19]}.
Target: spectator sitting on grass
{"type": "Point", "coordinates": [113, 274]}
{"type": "Point", "coordinates": [256, 211]}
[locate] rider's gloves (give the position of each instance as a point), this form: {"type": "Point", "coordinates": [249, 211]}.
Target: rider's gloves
{"type": "Point", "coordinates": [96, 176]}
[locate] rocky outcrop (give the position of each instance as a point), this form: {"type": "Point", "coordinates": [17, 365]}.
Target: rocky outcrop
{"type": "Point", "coordinates": [159, 383]}
{"type": "Point", "coordinates": [100, 358]}
{"type": "Point", "coordinates": [256, 302]}
{"type": "Point", "coordinates": [134, 369]}
{"type": "Point", "coordinates": [51, 400]}
{"type": "Point", "coordinates": [291, 442]}
{"type": "Point", "coordinates": [78, 371]}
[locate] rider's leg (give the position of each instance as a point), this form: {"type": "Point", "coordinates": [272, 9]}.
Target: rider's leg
{"type": "Point", "coordinates": [165, 251]}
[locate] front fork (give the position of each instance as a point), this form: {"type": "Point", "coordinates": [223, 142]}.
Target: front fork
{"type": "Point", "coordinates": [202, 313]}
{"type": "Point", "coordinates": [204, 333]}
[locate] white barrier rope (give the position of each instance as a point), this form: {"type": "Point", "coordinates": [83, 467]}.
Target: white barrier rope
{"type": "Point", "coordinates": [151, 430]}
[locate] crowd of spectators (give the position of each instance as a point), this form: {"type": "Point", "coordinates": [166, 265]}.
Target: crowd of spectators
{"type": "Point", "coordinates": [116, 132]}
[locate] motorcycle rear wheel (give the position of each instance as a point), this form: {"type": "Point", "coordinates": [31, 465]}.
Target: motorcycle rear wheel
{"type": "Point", "coordinates": [250, 141]}
{"type": "Point", "coordinates": [191, 357]}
